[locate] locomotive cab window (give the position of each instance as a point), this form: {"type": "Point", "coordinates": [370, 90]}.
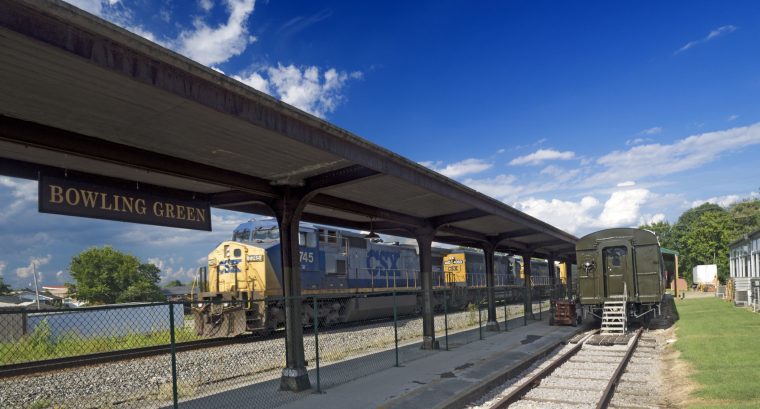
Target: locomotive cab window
{"type": "Point", "coordinates": [236, 252]}
{"type": "Point", "coordinates": [328, 236]}
{"type": "Point", "coordinates": [241, 235]}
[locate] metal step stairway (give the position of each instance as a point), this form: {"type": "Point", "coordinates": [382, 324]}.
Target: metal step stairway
{"type": "Point", "coordinates": [614, 318]}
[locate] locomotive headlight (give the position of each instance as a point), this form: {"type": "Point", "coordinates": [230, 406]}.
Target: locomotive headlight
{"type": "Point", "coordinates": [226, 304]}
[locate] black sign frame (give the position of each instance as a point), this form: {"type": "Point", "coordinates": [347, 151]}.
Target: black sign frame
{"type": "Point", "coordinates": [97, 200]}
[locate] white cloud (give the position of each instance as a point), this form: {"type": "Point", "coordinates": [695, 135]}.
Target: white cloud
{"type": "Point", "coordinates": [567, 215]}
{"type": "Point", "coordinates": [206, 5]}
{"type": "Point", "coordinates": [638, 141]}
{"type": "Point", "coordinates": [542, 155]}
{"type": "Point", "coordinates": [303, 88]}
{"type": "Point", "coordinates": [659, 160]}
{"type": "Point", "coordinates": [92, 6]}
{"type": "Point", "coordinates": [457, 169]}
{"type": "Point", "coordinates": [24, 272]}
{"type": "Point", "coordinates": [170, 272]}
{"type": "Point", "coordinates": [254, 80]}
{"type": "Point", "coordinates": [726, 200]}
{"type": "Point", "coordinates": [628, 183]}
{"type": "Point", "coordinates": [622, 208]}
{"type": "Point", "coordinates": [732, 117]}
{"type": "Point", "coordinates": [652, 131]}
{"type": "Point", "coordinates": [559, 174]}
{"type": "Point", "coordinates": [2, 267]}
{"type": "Point", "coordinates": [213, 45]}
{"type": "Point", "coordinates": [712, 35]}
{"type": "Point", "coordinates": [501, 187]}
{"type": "Point", "coordinates": [651, 218]}
{"type": "Point", "coordinates": [23, 193]}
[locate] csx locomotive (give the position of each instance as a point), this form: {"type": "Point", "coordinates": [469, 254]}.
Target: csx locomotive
{"type": "Point", "coordinates": [621, 264]}
{"type": "Point", "coordinates": [241, 290]}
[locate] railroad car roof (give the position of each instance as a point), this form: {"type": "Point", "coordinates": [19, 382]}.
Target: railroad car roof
{"type": "Point", "coordinates": [640, 236]}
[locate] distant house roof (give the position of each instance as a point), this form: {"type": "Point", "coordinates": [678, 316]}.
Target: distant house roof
{"type": "Point", "coordinates": [57, 290]}
{"type": "Point", "coordinates": [9, 299]}
{"type": "Point", "coordinates": [31, 296]}
{"type": "Point", "coordinates": [176, 290]}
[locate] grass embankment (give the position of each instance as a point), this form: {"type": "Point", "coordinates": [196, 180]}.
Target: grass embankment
{"type": "Point", "coordinates": [722, 344]}
{"type": "Point", "coordinates": [41, 344]}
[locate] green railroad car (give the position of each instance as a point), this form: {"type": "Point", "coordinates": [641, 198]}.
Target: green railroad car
{"type": "Point", "coordinates": [621, 264]}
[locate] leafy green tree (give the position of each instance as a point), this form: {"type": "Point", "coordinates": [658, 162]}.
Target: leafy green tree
{"type": "Point", "coordinates": [702, 235]}
{"type": "Point", "coordinates": [664, 232]}
{"type": "Point", "coordinates": [174, 283]}
{"type": "Point", "coordinates": [105, 276]}
{"type": "Point", "coordinates": [4, 288]}
{"type": "Point", "coordinates": [746, 214]}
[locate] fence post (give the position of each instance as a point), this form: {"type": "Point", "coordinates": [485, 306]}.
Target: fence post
{"type": "Point", "coordinates": [316, 340]}
{"type": "Point", "coordinates": [540, 309]}
{"type": "Point", "coordinates": [480, 319]}
{"type": "Point", "coordinates": [506, 311]}
{"type": "Point", "coordinates": [174, 355]}
{"type": "Point", "coordinates": [446, 318]}
{"type": "Point", "coordinates": [395, 325]}
{"type": "Point", "coordinates": [525, 306]}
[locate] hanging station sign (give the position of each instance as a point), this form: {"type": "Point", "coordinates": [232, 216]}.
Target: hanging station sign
{"type": "Point", "coordinates": [73, 197]}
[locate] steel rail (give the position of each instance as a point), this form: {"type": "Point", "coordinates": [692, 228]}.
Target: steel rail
{"type": "Point", "coordinates": [25, 368]}
{"type": "Point", "coordinates": [536, 379]}
{"type": "Point", "coordinates": [604, 402]}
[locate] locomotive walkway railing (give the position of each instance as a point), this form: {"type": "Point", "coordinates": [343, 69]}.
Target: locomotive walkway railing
{"type": "Point", "coordinates": [345, 338]}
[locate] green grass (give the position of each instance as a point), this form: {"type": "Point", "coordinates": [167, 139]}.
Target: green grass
{"type": "Point", "coordinates": [722, 345]}
{"type": "Point", "coordinates": [40, 344]}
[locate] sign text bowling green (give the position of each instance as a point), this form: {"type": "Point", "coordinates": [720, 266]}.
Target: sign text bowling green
{"type": "Point", "coordinates": [80, 198]}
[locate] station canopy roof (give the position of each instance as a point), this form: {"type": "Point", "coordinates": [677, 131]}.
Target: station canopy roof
{"type": "Point", "coordinates": [79, 95]}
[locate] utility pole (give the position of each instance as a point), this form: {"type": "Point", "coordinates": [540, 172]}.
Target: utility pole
{"type": "Point", "coordinates": [36, 287]}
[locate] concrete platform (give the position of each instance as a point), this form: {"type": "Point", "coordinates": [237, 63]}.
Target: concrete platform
{"type": "Point", "coordinates": [425, 379]}
{"type": "Point", "coordinates": [441, 378]}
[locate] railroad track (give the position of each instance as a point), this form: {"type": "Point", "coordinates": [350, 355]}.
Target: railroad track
{"type": "Point", "coordinates": [46, 365]}
{"type": "Point", "coordinates": [584, 376]}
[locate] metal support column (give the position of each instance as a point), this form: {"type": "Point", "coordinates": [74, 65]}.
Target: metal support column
{"type": "Point", "coordinates": [527, 283]}
{"type": "Point", "coordinates": [552, 271]}
{"type": "Point", "coordinates": [488, 253]}
{"type": "Point", "coordinates": [288, 210]}
{"type": "Point", "coordinates": [425, 243]}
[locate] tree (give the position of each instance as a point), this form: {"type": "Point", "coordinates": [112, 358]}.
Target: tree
{"type": "Point", "coordinates": [174, 283]}
{"type": "Point", "coordinates": [702, 235]}
{"type": "Point", "coordinates": [4, 288]}
{"type": "Point", "coordinates": [746, 214]}
{"type": "Point", "coordinates": [105, 276]}
{"type": "Point", "coordinates": [664, 232]}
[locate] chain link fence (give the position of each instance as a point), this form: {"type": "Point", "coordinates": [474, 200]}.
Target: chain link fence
{"type": "Point", "coordinates": [160, 355]}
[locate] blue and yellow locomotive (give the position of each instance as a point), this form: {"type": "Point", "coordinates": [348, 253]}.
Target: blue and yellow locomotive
{"type": "Point", "coordinates": [241, 289]}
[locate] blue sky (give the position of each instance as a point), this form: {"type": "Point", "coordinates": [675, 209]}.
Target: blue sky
{"type": "Point", "coordinates": [587, 115]}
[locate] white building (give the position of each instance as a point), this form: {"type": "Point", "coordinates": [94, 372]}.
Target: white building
{"type": "Point", "coordinates": [744, 265]}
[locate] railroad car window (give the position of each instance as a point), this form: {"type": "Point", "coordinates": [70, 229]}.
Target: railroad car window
{"type": "Point", "coordinates": [357, 243]}
{"type": "Point", "coordinates": [614, 255]}
{"type": "Point", "coordinates": [328, 236]}
{"type": "Point", "coordinates": [236, 252]}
